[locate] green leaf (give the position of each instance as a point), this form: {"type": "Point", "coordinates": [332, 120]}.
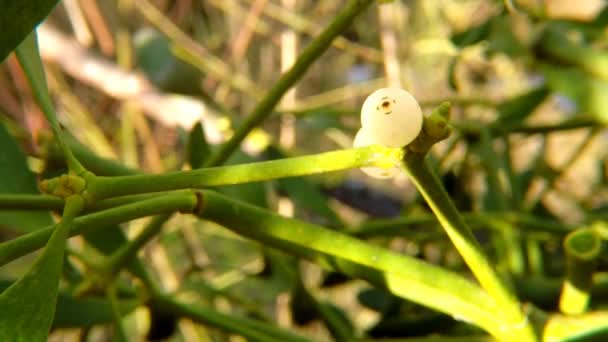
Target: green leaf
{"type": "Point", "coordinates": [198, 149]}
{"type": "Point", "coordinates": [452, 81]}
{"type": "Point", "coordinates": [518, 108]}
{"type": "Point", "coordinates": [29, 58]}
{"type": "Point", "coordinates": [28, 305]}
{"type": "Point", "coordinates": [18, 19]}
{"type": "Point", "coordinates": [82, 312]}
{"type": "Point", "coordinates": [16, 178]}
{"type": "Point", "coordinates": [554, 45]}
{"type": "Point", "coordinates": [498, 33]}
{"type": "Point", "coordinates": [156, 60]}
{"type": "Point", "coordinates": [502, 38]}
{"type": "Point", "coordinates": [473, 35]}
{"type": "Point", "coordinates": [590, 93]}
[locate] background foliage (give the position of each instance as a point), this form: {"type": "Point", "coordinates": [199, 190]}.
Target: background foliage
{"type": "Point", "coordinates": [150, 87]}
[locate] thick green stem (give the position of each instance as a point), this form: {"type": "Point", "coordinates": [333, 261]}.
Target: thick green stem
{"type": "Point", "coordinates": [576, 328]}
{"type": "Point", "coordinates": [515, 323]}
{"type": "Point", "coordinates": [186, 201]}
{"type": "Point", "coordinates": [582, 248]}
{"type": "Point", "coordinates": [30, 202]}
{"type": "Point", "coordinates": [311, 53]}
{"type": "Point", "coordinates": [404, 276]}
{"type": "Point", "coordinates": [104, 187]}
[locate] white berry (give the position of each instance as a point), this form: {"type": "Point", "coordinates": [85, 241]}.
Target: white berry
{"type": "Point", "coordinates": [364, 138]}
{"type": "Point", "coordinates": [392, 116]}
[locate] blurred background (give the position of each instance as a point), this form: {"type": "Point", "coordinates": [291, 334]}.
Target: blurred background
{"type": "Point", "coordinates": [528, 81]}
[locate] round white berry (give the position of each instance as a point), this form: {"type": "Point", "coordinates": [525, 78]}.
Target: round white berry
{"type": "Point", "coordinates": [364, 138]}
{"type": "Point", "coordinates": [392, 116]}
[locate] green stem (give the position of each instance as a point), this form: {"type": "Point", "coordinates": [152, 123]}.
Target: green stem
{"type": "Point", "coordinates": [127, 252]}
{"type": "Point", "coordinates": [105, 272]}
{"type": "Point", "coordinates": [254, 330]}
{"type": "Point", "coordinates": [104, 187]}
{"type": "Point", "coordinates": [404, 276]}
{"type": "Point", "coordinates": [527, 223]}
{"type": "Point", "coordinates": [576, 328]}
{"type": "Point", "coordinates": [334, 323]}
{"type": "Point", "coordinates": [567, 165]}
{"type": "Point", "coordinates": [513, 181]}
{"type": "Point", "coordinates": [311, 53]}
{"type": "Point", "coordinates": [491, 166]}
{"type": "Point", "coordinates": [567, 125]}
{"type": "Point", "coordinates": [185, 201]}
{"type": "Point", "coordinates": [430, 187]}
{"type": "Point", "coordinates": [535, 257]}
{"type": "Point", "coordinates": [474, 128]}
{"type": "Point", "coordinates": [30, 202]}
{"type": "Point", "coordinates": [122, 200]}
{"type": "Point", "coordinates": [120, 334]}
{"type": "Point", "coordinates": [391, 227]}
{"type": "Point", "coordinates": [582, 247]}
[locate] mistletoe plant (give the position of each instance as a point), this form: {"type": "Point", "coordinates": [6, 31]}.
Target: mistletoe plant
{"type": "Point", "coordinates": [395, 137]}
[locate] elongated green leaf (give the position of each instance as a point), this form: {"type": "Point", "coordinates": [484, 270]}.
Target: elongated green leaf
{"type": "Point", "coordinates": [16, 178]}
{"type": "Point", "coordinates": [18, 19]}
{"type": "Point", "coordinates": [82, 312]}
{"type": "Point", "coordinates": [167, 72]}
{"type": "Point", "coordinates": [29, 58]}
{"type": "Point", "coordinates": [28, 305]}
{"type": "Point", "coordinates": [473, 35]}
{"type": "Point", "coordinates": [496, 31]}
{"type": "Point", "coordinates": [555, 45]}
{"type": "Point", "coordinates": [514, 110]}
{"type": "Point", "coordinates": [589, 93]}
